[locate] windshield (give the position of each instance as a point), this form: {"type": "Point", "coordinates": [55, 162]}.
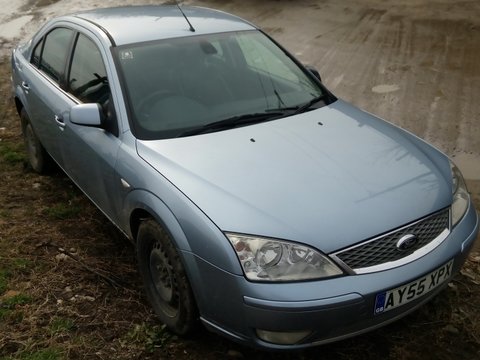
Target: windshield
{"type": "Point", "coordinates": [177, 85]}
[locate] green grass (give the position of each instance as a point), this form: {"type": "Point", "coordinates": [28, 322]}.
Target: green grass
{"type": "Point", "coordinates": [11, 316]}
{"type": "Point", "coordinates": [150, 336]}
{"type": "Point", "coordinates": [8, 270]}
{"type": "Point", "coordinates": [12, 302]}
{"type": "Point", "coordinates": [60, 325]}
{"type": "Point", "coordinates": [4, 314]}
{"type": "Point", "coordinates": [44, 354]}
{"type": "Point", "coordinates": [63, 211]}
{"type": "Point", "coordinates": [4, 275]}
{"type": "Point", "coordinates": [13, 154]}
{"type": "Point", "coordinates": [21, 264]}
{"type": "Point", "coordinates": [8, 308]}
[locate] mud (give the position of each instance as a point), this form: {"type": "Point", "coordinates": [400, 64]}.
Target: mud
{"type": "Point", "coordinates": [470, 163]}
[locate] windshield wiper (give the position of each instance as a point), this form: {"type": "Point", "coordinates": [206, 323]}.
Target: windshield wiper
{"type": "Point", "coordinates": [309, 104]}
{"type": "Point", "coordinates": [297, 109]}
{"type": "Point", "coordinates": [233, 122]}
{"type": "Point", "coordinates": [286, 108]}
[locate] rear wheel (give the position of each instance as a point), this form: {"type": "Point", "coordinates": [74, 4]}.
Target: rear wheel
{"type": "Point", "coordinates": [166, 283]}
{"type": "Point", "coordinates": [38, 158]}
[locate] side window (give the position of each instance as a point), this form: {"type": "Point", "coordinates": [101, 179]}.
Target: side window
{"type": "Point", "coordinates": [88, 78]}
{"type": "Point", "coordinates": [55, 51]}
{"type": "Point", "coordinates": [37, 54]}
{"type": "Point", "coordinates": [88, 82]}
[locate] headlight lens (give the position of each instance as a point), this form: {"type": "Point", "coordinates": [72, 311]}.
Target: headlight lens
{"type": "Point", "coordinates": [265, 259]}
{"type": "Point", "coordinates": [460, 195]}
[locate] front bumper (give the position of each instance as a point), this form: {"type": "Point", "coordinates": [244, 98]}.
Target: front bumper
{"type": "Point", "coordinates": [330, 310]}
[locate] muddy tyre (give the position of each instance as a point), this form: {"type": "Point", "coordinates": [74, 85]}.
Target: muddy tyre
{"type": "Point", "coordinates": [38, 158]}
{"type": "Point", "coordinates": [166, 283]}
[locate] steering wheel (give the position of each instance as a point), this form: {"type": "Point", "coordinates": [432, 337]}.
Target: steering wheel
{"type": "Point", "coordinates": [144, 106]}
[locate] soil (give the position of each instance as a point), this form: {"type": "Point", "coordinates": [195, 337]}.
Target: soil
{"type": "Point", "coordinates": [69, 287]}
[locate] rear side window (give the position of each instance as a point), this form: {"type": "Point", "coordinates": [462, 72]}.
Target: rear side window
{"type": "Point", "coordinates": [55, 51]}
{"type": "Point", "coordinates": [37, 53]}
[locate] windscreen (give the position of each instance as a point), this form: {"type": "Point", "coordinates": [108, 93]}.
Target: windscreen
{"type": "Point", "coordinates": [179, 84]}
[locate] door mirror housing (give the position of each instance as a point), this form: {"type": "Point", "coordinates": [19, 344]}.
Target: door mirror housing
{"type": "Point", "coordinates": [314, 72]}
{"type": "Point", "coordinates": [87, 115]}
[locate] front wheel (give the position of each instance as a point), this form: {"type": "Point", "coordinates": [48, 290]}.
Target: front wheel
{"type": "Point", "coordinates": [166, 283]}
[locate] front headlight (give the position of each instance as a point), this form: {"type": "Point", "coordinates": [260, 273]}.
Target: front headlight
{"type": "Point", "coordinates": [460, 195]}
{"type": "Point", "coordinates": [265, 259]}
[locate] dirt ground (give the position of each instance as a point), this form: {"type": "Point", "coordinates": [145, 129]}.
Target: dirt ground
{"type": "Point", "coordinates": [69, 288]}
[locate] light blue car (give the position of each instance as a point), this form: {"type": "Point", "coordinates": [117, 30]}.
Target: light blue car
{"type": "Point", "coordinates": [259, 203]}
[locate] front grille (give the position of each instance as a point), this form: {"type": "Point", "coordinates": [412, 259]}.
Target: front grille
{"type": "Point", "coordinates": [383, 249]}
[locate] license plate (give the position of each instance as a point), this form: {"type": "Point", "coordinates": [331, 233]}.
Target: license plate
{"type": "Point", "coordinates": [402, 295]}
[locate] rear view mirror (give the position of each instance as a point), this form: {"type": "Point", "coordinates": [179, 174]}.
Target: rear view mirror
{"type": "Point", "coordinates": [86, 114]}
{"type": "Point", "coordinates": [313, 71]}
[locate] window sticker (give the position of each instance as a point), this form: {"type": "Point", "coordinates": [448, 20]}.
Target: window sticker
{"type": "Point", "coordinates": [126, 55]}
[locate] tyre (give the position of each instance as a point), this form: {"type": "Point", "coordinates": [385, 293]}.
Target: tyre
{"type": "Point", "coordinates": [38, 158]}
{"type": "Point", "coordinates": [166, 283]}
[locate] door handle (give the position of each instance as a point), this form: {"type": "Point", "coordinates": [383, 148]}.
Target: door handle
{"type": "Point", "coordinates": [59, 121]}
{"type": "Point", "coordinates": [25, 86]}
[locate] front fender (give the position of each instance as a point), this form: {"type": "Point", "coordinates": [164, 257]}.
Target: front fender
{"type": "Point", "coordinates": [197, 239]}
{"type": "Point", "coordinates": [190, 229]}
{"type": "Point", "coordinates": [145, 200]}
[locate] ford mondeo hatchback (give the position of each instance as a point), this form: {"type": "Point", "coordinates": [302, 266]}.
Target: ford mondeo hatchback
{"type": "Point", "coordinates": [259, 203]}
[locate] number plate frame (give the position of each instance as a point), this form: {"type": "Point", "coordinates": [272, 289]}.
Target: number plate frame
{"type": "Point", "coordinates": [399, 296]}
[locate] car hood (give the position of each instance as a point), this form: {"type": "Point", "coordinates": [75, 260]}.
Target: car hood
{"type": "Point", "coordinates": [329, 178]}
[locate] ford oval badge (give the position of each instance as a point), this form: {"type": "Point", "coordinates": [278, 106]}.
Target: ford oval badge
{"type": "Point", "coordinates": [406, 242]}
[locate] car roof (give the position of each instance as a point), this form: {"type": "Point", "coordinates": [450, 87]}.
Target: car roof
{"type": "Point", "coordinates": [131, 24]}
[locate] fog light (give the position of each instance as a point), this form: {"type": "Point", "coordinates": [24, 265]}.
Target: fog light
{"type": "Point", "coordinates": [282, 338]}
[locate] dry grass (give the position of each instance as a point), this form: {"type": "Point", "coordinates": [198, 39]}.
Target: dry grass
{"type": "Point", "coordinates": [69, 287]}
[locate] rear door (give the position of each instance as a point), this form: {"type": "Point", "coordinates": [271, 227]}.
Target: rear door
{"type": "Point", "coordinates": [43, 84]}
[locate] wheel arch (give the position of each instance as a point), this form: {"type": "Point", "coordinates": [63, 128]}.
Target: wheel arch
{"type": "Point", "coordinates": [21, 104]}
{"type": "Point", "coordinates": [191, 231]}
{"type": "Point", "coordinates": [144, 205]}
{"type": "Point", "coordinates": [18, 104]}
{"type": "Point", "coordinates": [136, 217]}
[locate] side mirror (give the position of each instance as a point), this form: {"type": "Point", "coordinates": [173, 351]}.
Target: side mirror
{"type": "Point", "coordinates": [314, 72]}
{"type": "Point", "coordinates": [87, 115]}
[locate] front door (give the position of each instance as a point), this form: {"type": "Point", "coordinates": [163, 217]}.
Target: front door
{"type": "Point", "coordinates": [90, 153]}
